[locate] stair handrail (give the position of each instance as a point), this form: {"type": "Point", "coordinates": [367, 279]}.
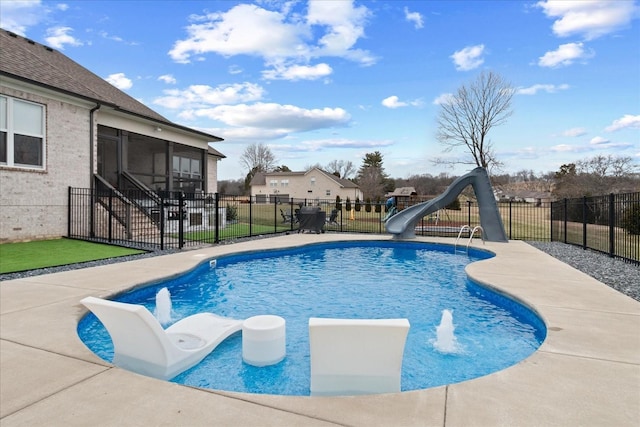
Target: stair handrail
{"type": "Point", "coordinates": [103, 184]}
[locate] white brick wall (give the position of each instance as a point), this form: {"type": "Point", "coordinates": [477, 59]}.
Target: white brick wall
{"type": "Point", "coordinates": [33, 204]}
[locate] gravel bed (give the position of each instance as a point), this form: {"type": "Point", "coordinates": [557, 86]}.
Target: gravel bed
{"type": "Point", "coordinates": [621, 276]}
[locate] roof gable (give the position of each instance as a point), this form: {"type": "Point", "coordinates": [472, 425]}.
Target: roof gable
{"type": "Point", "coordinates": [261, 177]}
{"type": "Point", "coordinates": [31, 62]}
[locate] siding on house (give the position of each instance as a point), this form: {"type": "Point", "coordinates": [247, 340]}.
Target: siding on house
{"type": "Point", "coordinates": [312, 185]}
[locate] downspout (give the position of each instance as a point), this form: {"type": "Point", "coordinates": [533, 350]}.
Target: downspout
{"type": "Point", "coordinates": [91, 137]}
{"type": "Point", "coordinates": [92, 231]}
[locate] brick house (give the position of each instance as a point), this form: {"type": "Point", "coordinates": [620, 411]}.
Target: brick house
{"type": "Point", "coordinates": [312, 185]}
{"type": "Point", "coordinates": [62, 126]}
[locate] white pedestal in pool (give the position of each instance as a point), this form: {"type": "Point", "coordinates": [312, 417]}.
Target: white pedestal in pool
{"type": "Point", "coordinates": [263, 340]}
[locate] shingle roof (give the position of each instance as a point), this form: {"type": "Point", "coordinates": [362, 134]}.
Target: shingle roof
{"type": "Point", "coordinates": [26, 60]}
{"type": "Point", "coordinates": [260, 178]}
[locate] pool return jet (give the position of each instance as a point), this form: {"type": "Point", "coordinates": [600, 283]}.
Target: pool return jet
{"type": "Point", "coordinates": [402, 225]}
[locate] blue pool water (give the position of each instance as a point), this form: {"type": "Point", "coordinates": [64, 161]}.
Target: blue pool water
{"type": "Point", "coordinates": [371, 279]}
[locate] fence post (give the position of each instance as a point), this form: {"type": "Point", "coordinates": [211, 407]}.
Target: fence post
{"type": "Point", "coordinates": [510, 218]}
{"type": "Point", "coordinates": [469, 213]}
{"type": "Point", "coordinates": [612, 223]}
{"type": "Point", "coordinates": [252, 200]}
{"type": "Point", "coordinates": [69, 212]}
{"type": "Point", "coordinates": [584, 222]}
{"type": "Point", "coordinates": [564, 218]}
{"type": "Point", "coordinates": [216, 223]}
{"type": "Point", "coordinates": [551, 212]}
{"type": "Point", "coordinates": [181, 212]}
{"type": "Point", "coordinates": [162, 217]}
{"type": "Point", "coordinates": [110, 216]}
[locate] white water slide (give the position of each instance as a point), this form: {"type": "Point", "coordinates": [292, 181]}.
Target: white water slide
{"type": "Point", "coordinates": [402, 225]}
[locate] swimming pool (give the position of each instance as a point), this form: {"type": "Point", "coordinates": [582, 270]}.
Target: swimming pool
{"type": "Point", "coordinates": [370, 279]}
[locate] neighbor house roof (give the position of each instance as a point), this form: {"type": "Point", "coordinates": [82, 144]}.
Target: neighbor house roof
{"type": "Point", "coordinates": [260, 178]}
{"type": "Point", "coordinates": [403, 191]}
{"type": "Point", "coordinates": [25, 60]}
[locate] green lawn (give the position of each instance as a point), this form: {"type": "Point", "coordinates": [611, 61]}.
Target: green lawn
{"type": "Point", "coordinates": [51, 253]}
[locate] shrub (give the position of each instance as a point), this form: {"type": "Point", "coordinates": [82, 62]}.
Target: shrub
{"type": "Point", "coordinates": [454, 206]}
{"type": "Point", "coordinates": [358, 205]}
{"type": "Point", "coordinates": [232, 213]}
{"type": "Point", "coordinates": [338, 203]}
{"type": "Point", "coordinates": [631, 219]}
{"type": "Point", "coordinates": [367, 205]}
{"type": "Point", "coordinates": [348, 204]}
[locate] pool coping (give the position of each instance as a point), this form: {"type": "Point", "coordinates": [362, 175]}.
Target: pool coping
{"type": "Point", "coordinates": [587, 371]}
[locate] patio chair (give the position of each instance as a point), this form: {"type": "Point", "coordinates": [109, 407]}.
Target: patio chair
{"type": "Point", "coordinates": [141, 344]}
{"type": "Point", "coordinates": [333, 218]}
{"type": "Point", "coordinates": [356, 356]}
{"type": "Point", "coordinates": [286, 217]}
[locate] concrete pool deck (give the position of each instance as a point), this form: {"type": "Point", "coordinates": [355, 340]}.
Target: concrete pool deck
{"type": "Point", "coordinates": [587, 372]}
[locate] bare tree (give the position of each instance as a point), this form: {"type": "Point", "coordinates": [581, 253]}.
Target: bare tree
{"type": "Point", "coordinates": [467, 116]}
{"type": "Point", "coordinates": [596, 176]}
{"type": "Point", "coordinates": [258, 158]}
{"type": "Point", "coordinates": [341, 168]}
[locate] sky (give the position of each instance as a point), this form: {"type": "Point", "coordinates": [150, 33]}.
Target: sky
{"type": "Point", "coordinates": [325, 80]}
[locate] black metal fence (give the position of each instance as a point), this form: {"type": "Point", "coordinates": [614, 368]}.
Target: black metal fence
{"type": "Point", "coordinates": [608, 224]}
{"type": "Point", "coordinates": [180, 220]}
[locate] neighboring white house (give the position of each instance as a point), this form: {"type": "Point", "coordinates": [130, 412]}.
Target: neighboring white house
{"type": "Point", "coordinates": [313, 185]}
{"type": "Point", "coordinates": [62, 126]}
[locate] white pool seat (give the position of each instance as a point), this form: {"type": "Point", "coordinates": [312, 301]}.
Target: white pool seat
{"type": "Point", "coordinates": [356, 356]}
{"type": "Point", "coordinates": [141, 344]}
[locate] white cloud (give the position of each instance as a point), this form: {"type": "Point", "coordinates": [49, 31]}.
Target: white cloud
{"type": "Point", "coordinates": [574, 132]}
{"type": "Point", "coordinates": [589, 19]}
{"type": "Point", "coordinates": [598, 140]}
{"type": "Point", "coordinates": [168, 79]}
{"type": "Point", "coordinates": [201, 96]}
{"type": "Point", "coordinates": [18, 16]}
{"type": "Point", "coordinates": [468, 58]}
{"type": "Point", "coordinates": [298, 72]}
{"type": "Point", "coordinates": [333, 143]}
{"type": "Point", "coordinates": [57, 37]}
{"type": "Point", "coordinates": [235, 69]}
{"type": "Point", "coordinates": [344, 26]}
{"type": "Point", "coordinates": [444, 98]}
{"type": "Point", "coordinates": [597, 144]}
{"type": "Point", "coordinates": [566, 54]}
{"type": "Point", "coordinates": [414, 17]}
{"type": "Point", "coordinates": [627, 121]}
{"type": "Point", "coordinates": [549, 88]}
{"type": "Point", "coordinates": [62, 6]}
{"type": "Point", "coordinates": [566, 148]}
{"type": "Point", "coordinates": [268, 120]}
{"type": "Point", "coordinates": [120, 81]}
{"type": "Point", "coordinates": [276, 116]}
{"type": "Point", "coordinates": [394, 102]}
{"type": "Point", "coordinates": [331, 29]}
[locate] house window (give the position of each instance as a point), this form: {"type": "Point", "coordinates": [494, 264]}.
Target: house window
{"type": "Point", "coordinates": [284, 183]}
{"type": "Point", "coordinates": [313, 180]}
{"type": "Point", "coordinates": [21, 133]}
{"type": "Point", "coordinates": [328, 192]}
{"type": "Point", "coordinates": [187, 173]}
